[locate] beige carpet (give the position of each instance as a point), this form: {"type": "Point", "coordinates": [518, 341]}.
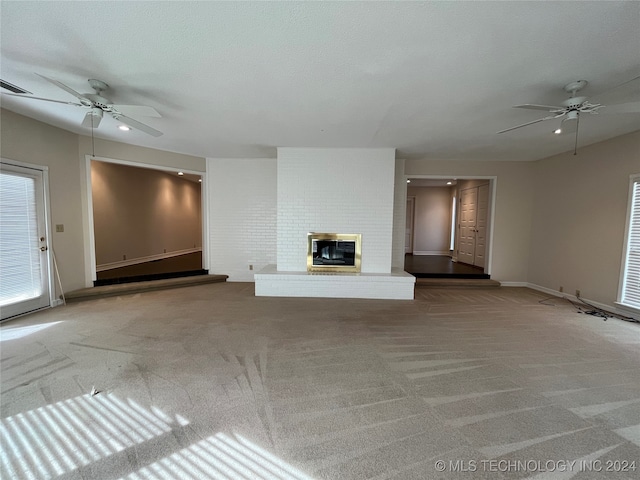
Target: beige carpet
{"type": "Point", "coordinates": [212, 382]}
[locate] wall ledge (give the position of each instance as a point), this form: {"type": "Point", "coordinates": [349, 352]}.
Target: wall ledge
{"type": "Point", "coordinates": [396, 285]}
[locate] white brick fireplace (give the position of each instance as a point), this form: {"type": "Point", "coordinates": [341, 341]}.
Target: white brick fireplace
{"type": "Point", "coordinates": [335, 190]}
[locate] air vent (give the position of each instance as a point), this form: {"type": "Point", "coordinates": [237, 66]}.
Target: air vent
{"type": "Point", "coordinates": [12, 88]}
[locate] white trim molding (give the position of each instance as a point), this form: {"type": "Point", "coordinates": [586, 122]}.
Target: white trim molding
{"type": "Point", "coordinates": [149, 258]}
{"type": "Point", "coordinates": [514, 284]}
{"type": "Point", "coordinates": [603, 306]}
{"type": "Point", "coordinates": [628, 309]}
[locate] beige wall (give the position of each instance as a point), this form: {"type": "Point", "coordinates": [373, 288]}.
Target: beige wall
{"type": "Point", "coordinates": [572, 236]}
{"type": "Point", "coordinates": [432, 225]}
{"type": "Point", "coordinates": [27, 140]}
{"type": "Point", "coordinates": [470, 183]}
{"type": "Point", "coordinates": [139, 212]}
{"type": "Point", "coordinates": [579, 218]}
{"type": "Point", "coordinates": [513, 209]}
{"type": "Point", "coordinates": [133, 153]}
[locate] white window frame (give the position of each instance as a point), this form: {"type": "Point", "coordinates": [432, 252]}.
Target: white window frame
{"type": "Point", "coordinates": [633, 180]}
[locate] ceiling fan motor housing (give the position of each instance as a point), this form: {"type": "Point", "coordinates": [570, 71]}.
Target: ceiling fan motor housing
{"type": "Point", "coordinates": [574, 102]}
{"type": "Point", "coordinates": [99, 101]}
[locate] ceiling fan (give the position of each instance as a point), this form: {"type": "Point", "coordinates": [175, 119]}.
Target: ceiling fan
{"type": "Point", "coordinates": [575, 106]}
{"type": "Point", "coordinates": [98, 105]}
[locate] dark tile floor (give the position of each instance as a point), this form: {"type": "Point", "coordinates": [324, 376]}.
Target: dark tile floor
{"type": "Point", "coordinates": [440, 266]}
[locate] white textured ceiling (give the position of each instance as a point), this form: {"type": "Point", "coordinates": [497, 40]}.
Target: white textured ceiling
{"type": "Point", "coordinates": [237, 79]}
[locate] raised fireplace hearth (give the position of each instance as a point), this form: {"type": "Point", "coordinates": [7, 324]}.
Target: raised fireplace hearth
{"type": "Point", "coordinates": [334, 252]}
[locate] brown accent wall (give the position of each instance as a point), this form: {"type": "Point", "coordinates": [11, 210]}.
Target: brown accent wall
{"type": "Point", "coordinates": [139, 212]}
{"type": "Point", "coordinates": [432, 226]}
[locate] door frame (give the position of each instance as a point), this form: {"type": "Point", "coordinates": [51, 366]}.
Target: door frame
{"type": "Point", "coordinates": [411, 199]}
{"type": "Point", "coordinates": [493, 181]}
{"type": "Point", "coordinates": [90, 269]}
{"type": "Point", "coordinates": [44, 170]}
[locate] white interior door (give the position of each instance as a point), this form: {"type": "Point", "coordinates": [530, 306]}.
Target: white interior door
{"type": "Point", "coordinates": [481, 225]}
{"type": "Point", "coordinates": [24, 255]}
{"type": "Point", "coordinates": [468, 214]}
{"type": "Point", "coordinates": [408, 236]}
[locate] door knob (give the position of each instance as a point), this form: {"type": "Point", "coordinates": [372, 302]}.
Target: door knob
{"type": "Point", "coordinates": [44, 249]}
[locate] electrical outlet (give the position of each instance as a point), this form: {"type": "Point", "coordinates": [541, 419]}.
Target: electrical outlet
{"type": "Point", "coordinates": [59, 228]}
{"type": "Point", "coordinates": [124, 257]}
{"type": "Point", "coordinates": [561, 289]}
{"type": "Point", "coordinates": [577, 293]}
{"type": "Point", "coordinates": [250, 267]}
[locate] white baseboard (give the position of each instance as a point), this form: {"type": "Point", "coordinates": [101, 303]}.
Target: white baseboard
{"type": "Point", "coordinates": [150, 258]}
{"type": "Point", "coordinates": [432, 252]}
{"type": "Point", "coordinates": [57, 302]}
{"type": "Point", "coordinates": [619, 310]}
{"type": "Point", "coordinates": [602, 306]}
{"type": "Point", "coordinates": [631, 311]}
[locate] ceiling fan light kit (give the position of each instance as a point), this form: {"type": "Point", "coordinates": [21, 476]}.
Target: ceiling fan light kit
{"type": "Point", "coordinates": [98, 105]}
{"type": "Point", "coordinates": [92, 118]}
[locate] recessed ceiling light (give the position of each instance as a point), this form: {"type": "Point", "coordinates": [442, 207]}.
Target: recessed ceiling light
{"type": "Point", "coordinates": [180, 173]}
{"type": "Point", "coordinates": [557, 131]}
{"type": "Point", "coordinates": [449, 183]}
{"type": "Point", "coordinates": [408, 181]}
{"type": "Point", "coordinates": [124, 128]}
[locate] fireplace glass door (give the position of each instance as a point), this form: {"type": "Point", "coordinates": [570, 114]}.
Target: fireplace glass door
{"type": "Point", "coordinates": [333, 252]}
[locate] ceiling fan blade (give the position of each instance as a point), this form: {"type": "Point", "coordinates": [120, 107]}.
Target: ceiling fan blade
{"type": "Point", "coordinates": [550, 117]}
{"type": "Point", "coordinates": [630, 89]}
{"type": "Point", "coordinates": [92, 118]}
{"type": "Point", "coordinates": [40, 98]}
{"type": "Point", "coordinates": [546, 108]}
{"type": "Point", "coordinates": [629, 107]}
{"type": "Point", "coordinates": [137, 125]}
{"type": "Point", "coordinates": [136, 110]}
{"type": "Point", "coordinates": [70, 90]}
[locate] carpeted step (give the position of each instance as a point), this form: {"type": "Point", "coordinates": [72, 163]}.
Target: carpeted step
{"type": "Point", "coordinates": [137, 287]}
{"type": "Point", "coordinates": [456, 282]}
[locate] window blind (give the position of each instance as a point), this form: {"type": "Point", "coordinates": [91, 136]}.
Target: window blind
{"type": "Point", "coordinates": [631, 283]}
{"type": "Point", "coordinates": [19, 249]}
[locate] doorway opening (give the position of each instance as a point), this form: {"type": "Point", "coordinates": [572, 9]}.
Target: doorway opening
{"type": "Point", "coordinates": [451, 220]}
{"type": "Point", "coordinates": [147, 223]}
